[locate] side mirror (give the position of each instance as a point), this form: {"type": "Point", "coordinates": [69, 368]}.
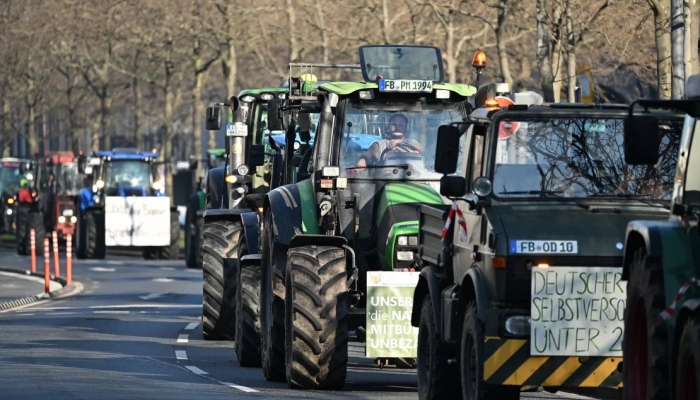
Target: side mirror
{"type": "Point", "coordinates": [257, 156]}
{"type": "Point", "coordinates": [453, 186]}
{"type": "Point", "coordinates": [641, 140]}
{"type": "Point", "coordinates": [304, 122]}
{"type": "Point", "coordinates": [275, 121]}
{"type": "Point", "coordinates": [447, 149]}
{"type": "Point", "coordinates": [213, 118]}
{"type": "Point", "coordinates": [194, 162]}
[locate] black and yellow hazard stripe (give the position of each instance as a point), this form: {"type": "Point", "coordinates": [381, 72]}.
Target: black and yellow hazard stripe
{"type": "Point", "coordinates": [508, 362]}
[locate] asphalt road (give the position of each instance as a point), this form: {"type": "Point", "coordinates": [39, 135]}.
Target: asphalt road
{"type": "Point", "coordinates": [134, 332]}
{"type": "Point", "coordinates": [14, 286]}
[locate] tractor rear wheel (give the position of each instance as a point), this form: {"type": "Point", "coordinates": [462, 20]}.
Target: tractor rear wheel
{"type": "Point", "coordinates": [248, 313]}
{"type": "Point", "coordinates": [172, 252]}
{"type": "Point", "coordinates": [95, 235]}
{"type": "Point", "coordinates": [316, 323]}
{"type": "Point", "coordinates": [219, 265]}
{"type": "Point", "coordinates": [199, 232]}
{"type": "Point", "coordinates": [688, 361]}
{"type": "Point", "coordinates": [190, 237]}
{"type": "Point", "coordinates": [437, 379]}
{"type": "Point", "coordinates": [21, 234]}
{"type": "Point", "coordinates": [646, 357]}
{"type": "Point", "coordinates": [35, 220]}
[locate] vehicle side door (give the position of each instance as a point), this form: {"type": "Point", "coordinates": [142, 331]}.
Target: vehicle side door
{"type": "Point", "coordinates": [473, 168]}
{"type": "Point", "coordinates": [687, 190]}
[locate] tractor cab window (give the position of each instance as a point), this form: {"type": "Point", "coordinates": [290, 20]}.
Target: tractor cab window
{"type": "Point", "coordinates": [69, 182]}
{"type": "Point", "coordinates": [10, 177]}
{"type": "Point", "coordinates": [121, 175]}
{"type": "Point", "coordinates": [579, 157]}
{"type": "Point", "coordinates": [395, 141]}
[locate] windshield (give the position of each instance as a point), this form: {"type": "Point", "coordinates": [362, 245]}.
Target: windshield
{"type": "Point", "coordinates": [9, 178]}
{"type": "Point", "coordinates": [395, 140]}
{"type": "Point", "coordinates": [70, 177]}
{"type": "Point", "coordinates": [579, 157]}
{"type": "Point", "coordinates": [401, 62]}
{"type": "Point", "coordinates": [127, 173]}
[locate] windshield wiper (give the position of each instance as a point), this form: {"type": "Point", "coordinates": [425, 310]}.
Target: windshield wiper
{"type": "Point", "coordinates": [637, 198]}
{"type": "Point", "coordinates": [402, 166]}
{"type": "Point", "coordinates": [552, 193]}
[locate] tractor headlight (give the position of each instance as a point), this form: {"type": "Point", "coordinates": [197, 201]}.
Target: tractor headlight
{"type": "Point", "coordinates": [366, 95]}
{"type": "Point", "coordinates": [67, 213]}
{"type": "Point", "coordinates": [413, 240]}
{"type": "Point", "coordinates": [282, 96]}
{"type": "Point", "coordinates": [100, 184]}
{"type": "Point", "coordinates": [243, 169]}
{"type": "Point", "coordinates": [10, 200]}
{"type": "Point", "coordinates": [248, 99]}
{"type": "Point", "coordinates": [267, 96]}
{"type": "Point", "coordinates": [404, 255]}
{"type": "Point", "coordinates": [96, 199]}
{"type": "Point", "coordinates": [74, 219]}
{"type": "Point", "coordinates": [403, 241]}
{"type": "Point", "coordinates": [61, 219]}
{"type": "Point", "coordinates": [156, 185]}
{"type": "Point", "coordinates": [9, 211]}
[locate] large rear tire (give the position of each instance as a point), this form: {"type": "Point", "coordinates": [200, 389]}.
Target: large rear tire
{"type": "Point", "coordinates": [190, 237]}
{"type": "Point", "coordinates": [172, 252]}
{"type": "Point", "coordinates": [21, 234]}
{"type": "Point", "coordinates": [199, 233]}
{"type": "Point", "coordinates": [248, 313]}
{"type": "Point", "coordinates": [646, 357]}
{"type": "Point", "coordinates": [95, 235]}
{"type": "Point", "coordinates": [221, 241]}
{"type": "Point", "coordinates": [272, 307]}
{"type": "Point", "coordinates": [316, 318]}
{"type": "Point", "coordinates": [437, 379]}
{"type": "Point", "coordinates": [35, 220]}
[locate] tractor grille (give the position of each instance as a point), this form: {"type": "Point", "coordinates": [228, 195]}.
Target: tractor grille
{"type": "Point", "coordinates": [518, 277]}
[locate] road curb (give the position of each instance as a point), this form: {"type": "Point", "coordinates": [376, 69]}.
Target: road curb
{"type": "Point", "coordinates": [65, 291]}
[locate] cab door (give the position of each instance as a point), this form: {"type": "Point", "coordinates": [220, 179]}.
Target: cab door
{"type": "Point", "coordinates": [687, 190]}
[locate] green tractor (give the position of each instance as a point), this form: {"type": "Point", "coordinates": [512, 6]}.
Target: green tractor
{"type": "Point", "coordinates": [661, 345]}
{"type": "Point", "coordinates": [353, 215]}
{"type": "Point", "coordinates": [194, 221]}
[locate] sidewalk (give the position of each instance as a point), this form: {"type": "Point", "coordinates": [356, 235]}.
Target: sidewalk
{"type": "Point", "coordinates": [15, 286]}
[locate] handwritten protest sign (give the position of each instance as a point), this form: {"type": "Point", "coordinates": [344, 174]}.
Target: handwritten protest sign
{"type": "Point", "coordinates": [577, 311]}
{"type": "Point", "coordinates": [389, 307]}
{"type": "Point", "coordinates": [137, 221]}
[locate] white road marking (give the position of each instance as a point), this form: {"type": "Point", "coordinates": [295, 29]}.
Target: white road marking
{"type": "Point", "coordinates": [25, 306]}
{"type": "Point", "coordinates": [167, 268]}
{"type": "Point", "coordinates": [162, 280]}
{"type": "Point", "coordinates": [62, 313]}
{"type": "Point", "coordinates": [102, 269]}
{"type": "Point", "coordinates": [182, 338]}
{"type": "Point", "coordinates": [181, 354]}
{"type": "Point", "coordinates": [111, 312]}
{"type": "Point", "coordinates": [152, 296]}
{"type": "Point", "coordinates": [191, 326]}
{"type": "Point", "coordinates": [121, 306]}
{"type": "Point", "coordinates": [26, 313]}
{"type": "Point", "coordinates": [197, 370]}
{"type": "Point", "coordinates": [239, 387]}
{"type": "Point", "coordinates": [52, 285]}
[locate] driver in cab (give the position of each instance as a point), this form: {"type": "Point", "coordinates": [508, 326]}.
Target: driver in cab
{"type": "Point", "coordinates": [397, 142]}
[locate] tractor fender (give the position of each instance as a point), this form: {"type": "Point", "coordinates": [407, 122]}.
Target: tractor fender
{"type": "Point", "coordinates": [215, 188]}
{"type": "Point", "coordinates": [284, 203]}
{"type": "Point", "coordinates": [248, 218]}
{"type": "Point", "coordinates": [429, 282]}
{"type": "Point", "coordinates": [473, 289]}
{"type": "Point", "coordinates": [645, 233]}
{"type": "Point", "coordinates": [317, 240]}
{"type": "Point", "coordinates": [85, 198]}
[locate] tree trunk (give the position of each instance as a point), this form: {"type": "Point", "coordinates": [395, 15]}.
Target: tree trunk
{"type": "Point", "coordinates": [502, 49]}
{"type": "Point", "coordinates": [677, 49]}
{"type": "Point", "coordinates": [138, 114]}
{"type": "Point", "coordinates": [692, 36]}
{"type": "Point", "coordinates": [167, 152]}
{"type": "Point", "coordinates": [544, 61]}
{"type": "Point", "coordinates": [556, 53]}
{"type": "Point", "coordinates": [324, 35]}
{"type": "Point", "coordinates": [571, 60]}
{"type": "Point", "coordinates": [105, 108]}
{"type": "Point", "coordinates": [196, 102]}
{"type": "Point", "coordinates": [32, 139]}
{"type": "Point", "coordinates": [450, 52]}
{"type": "Point", "coordinates": [292, 32]}
{"type": "Point", "coordinates": [6, 126]}
{"type": "Point", "coordinates": [662, 34]}
{"type": "Point", "coordinates": [95, 134]}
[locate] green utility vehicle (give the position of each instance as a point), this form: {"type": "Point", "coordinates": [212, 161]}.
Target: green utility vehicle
{"type": "Point", "coordinates": [326, 233]}
{"type": "Point", "coordinates": [194, 220]}
{"type": "Point", "coordinates": [520, 280]}
{"type": "Point", "coordinates": [661, 345]}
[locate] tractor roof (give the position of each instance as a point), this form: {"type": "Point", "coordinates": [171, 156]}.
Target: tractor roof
{"type": "Point", "coordinates": [59, 157]}
{"type": "Point", "coordinates": [127, 154]}
{"type": "Point", "coordinates": [217, 152]}
{"type": "Point", "coordinates": [601, 110]}
{"type": "Point", "coordinates": [346, 88]}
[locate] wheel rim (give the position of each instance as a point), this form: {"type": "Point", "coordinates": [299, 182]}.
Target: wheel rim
{"type": "Point", "coordinates": [471, 369]}
{"type": "Point", "coordinates": [636, 354]}
{"type": "Point", "coordinates": [689, 389]}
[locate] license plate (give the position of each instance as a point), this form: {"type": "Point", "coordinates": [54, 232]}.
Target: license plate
{"type": "Point", "coordinates": [237, 130]}
{"type": "Point", "coordinates": [543, 247]}
{"type": "Point", "coordinates": [405, 85]}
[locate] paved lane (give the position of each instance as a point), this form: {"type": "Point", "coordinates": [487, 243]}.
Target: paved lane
{"type": "Point", "coordinates": [134, 332]}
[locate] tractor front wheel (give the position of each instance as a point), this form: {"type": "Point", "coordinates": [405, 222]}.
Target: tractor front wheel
{"type": "Point", "coordinates": [35, 220]}
{"type": "Point", "coordinates": [688, 361]}
{"type": "Point", "coordinates": [248, 313]}
{"type": "Point", "coordinates": [95, 235]}
{"type": "Point", "coordinates": [172, 252]}
{"type": "Point", "coordinates": [316, 323]}
{"type": "Point", "coordinates": [221, 241]}
{"type": "Point", "coordinates": [272, 307]}
{"type": "Point", "coordinates": [437, 379]}
{"type": "Point", "coordinates": [21, 234]}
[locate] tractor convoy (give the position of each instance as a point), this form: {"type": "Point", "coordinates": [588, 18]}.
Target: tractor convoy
{"type": "Point", "coordinates": [493, 242]}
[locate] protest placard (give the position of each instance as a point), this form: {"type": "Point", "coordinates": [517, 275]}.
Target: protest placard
{"type": "Point", "coordinates": [137, 221]}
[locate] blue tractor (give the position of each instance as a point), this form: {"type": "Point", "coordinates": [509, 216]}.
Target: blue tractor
{"type": "Point", "coordinates": [123, 204]}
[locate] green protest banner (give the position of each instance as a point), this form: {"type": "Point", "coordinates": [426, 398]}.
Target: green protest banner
{"type": "Point", "coordinates": [389, 307]}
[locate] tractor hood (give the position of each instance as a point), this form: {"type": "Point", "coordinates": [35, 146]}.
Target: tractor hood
{"type": "Point", "coordinates": [597, 232]}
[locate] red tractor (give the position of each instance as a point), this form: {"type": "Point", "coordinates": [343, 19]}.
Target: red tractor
{"type": "Point", "coordinates": [47, 202]}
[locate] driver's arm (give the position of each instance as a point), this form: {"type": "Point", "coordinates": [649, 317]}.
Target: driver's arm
{"type": "Point", "coordinates": [369, 155]}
